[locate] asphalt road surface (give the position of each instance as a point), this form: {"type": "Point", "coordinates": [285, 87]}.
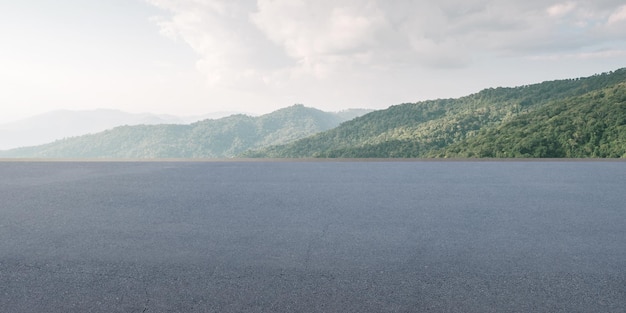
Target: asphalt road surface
{"type": "Point", "coordinates": [313, 237]}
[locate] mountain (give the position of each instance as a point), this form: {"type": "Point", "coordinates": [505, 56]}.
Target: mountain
{"type": "Point", "coordinates": [517, 120]}
{"type": "Point", "coordinates": [60, 124]}
{"type": "Point", "coordinates": [591, 125]}
{"type": "Point", "coordinates": [225, 137]}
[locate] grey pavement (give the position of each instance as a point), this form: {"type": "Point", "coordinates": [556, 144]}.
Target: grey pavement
{"type": "Point", "coordinates": [313, 236]}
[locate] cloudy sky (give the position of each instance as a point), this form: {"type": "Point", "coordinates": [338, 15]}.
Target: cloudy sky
{"type": "Point", "coordinates": [187, 57]}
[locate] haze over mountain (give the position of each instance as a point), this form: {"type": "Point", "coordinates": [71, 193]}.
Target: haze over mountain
{"type": "Point", "coordinates": [583, 117]}
{"type": "Point", "coordinates": [224, 137]}
{"type": "Point", "coordinates": [59, 124]}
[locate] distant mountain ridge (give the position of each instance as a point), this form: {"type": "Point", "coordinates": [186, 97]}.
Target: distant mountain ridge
{"type": "Point", "coordinates": [462, 127]}
{"type": "Point", "coordinates": [570, 118]}
{"type": "Point", "coordinates": [212, 138]}
{"type": "Point", "coordinates": [59, 124]}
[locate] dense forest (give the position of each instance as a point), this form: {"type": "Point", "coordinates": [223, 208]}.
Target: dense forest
{"type": "Point", "coordinates": [592, 125]}
{"type": "Point", "coordinates": [582, 117]}
{"type": "Point", "coordinates": [225, 137]}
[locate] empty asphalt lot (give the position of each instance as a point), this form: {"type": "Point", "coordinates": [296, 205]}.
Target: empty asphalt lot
{"type": "Point", "coordinates": [313, 236]}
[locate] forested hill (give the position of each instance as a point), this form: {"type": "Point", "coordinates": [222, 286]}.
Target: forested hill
{"type": "Point", "coordinates": [591, 125]}
{"type": "Point", "coordinates": [582, 117]}
{"type": "Point", "coordinates": [225, 137]}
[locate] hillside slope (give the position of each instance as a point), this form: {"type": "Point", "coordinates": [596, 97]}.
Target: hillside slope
{"type": "Point", "coordinates": [425, 129]}
{"type": "Point", "coordinates": [225, 137]}
{"type": "Point", "coordinates": [592, 125]}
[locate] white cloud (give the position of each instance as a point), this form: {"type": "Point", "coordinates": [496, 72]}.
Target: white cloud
{"type": "Point", "coordinates": [561, 9]}
{"type": "Point", "coordinates": [619, 16]}
{"type": "Point", "coordinates": [228, 45]}
{"type": "Point", "coordinates": [321, 35]}
{"type": "Point", "coordinates": [308, 29]}
{"type": "Point", "coordinates": [259, 55]}
{"type": "Point", "coordinates": [287, 45]}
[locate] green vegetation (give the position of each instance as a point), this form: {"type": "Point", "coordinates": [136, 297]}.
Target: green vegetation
{"type": "Point", "coordinates": [572, 118]}
{"type": "Point", "coordinates": [582, 117]}
{"type": "Point", "coordinates": [592, 125]}
{"type": "Point", "coordinates": [226, 137]}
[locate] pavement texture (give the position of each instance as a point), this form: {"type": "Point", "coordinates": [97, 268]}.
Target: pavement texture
{"type": "Point", "coordinates": [313, 237]}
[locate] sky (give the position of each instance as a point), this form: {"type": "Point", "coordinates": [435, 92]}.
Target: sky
{"type": "Point", "coordinates": [191, 57]}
